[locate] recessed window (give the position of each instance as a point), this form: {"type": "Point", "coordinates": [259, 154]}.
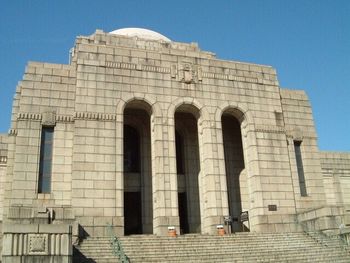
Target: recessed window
{"type": "Point", "coordinates": [45, 165]}
{"type": "Point", "coordinates": [300, 168]}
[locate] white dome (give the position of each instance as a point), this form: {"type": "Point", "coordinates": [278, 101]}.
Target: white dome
{"type": "Point", "coordinates": [140, 33]}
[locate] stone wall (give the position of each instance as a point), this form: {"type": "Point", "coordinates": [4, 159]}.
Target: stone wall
{"type": "Point", "coordinates": [3, 162]}
{"type": "Point", "coordinates": [85, 102]}
{"type": "Point", "coordinates": [336, 177]}
{"type": "Point", "coordinates": [299, 126]}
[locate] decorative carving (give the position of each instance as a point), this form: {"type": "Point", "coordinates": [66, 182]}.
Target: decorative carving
{"type": "Point", "coordinates": [3, 159]}
{"type": "Point", "coordinates": [296, 133]}
{"type": "Point", "coordinates": [269, 129]}
{"type": "Point", "coordinates": [191, 74]}
{"type": "Point", "coordinates": [12, 132]}
{"type": "Point", "coordinates": [173, 71]}
{"type": "Point", "coordinates": [37, 244]}
{"type": "Point", "coordinates": [139, 67]}
{"type": "Point", "coordinates": [28, 116]}
{"type": "Point", "coordinates": [95, 116]}
{"type": "Point", "coordinates": [199, 74]}
{"type": "Point", "coordinates": [49, 118]}
{"type": "Point", "coordinates": [188, 74]}
{"type": "Point", "coordinates": [64, 118]}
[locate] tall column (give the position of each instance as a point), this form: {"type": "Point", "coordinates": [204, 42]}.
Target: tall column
{"type": "Point", "coordinates": [252, 166]}
{"type": "Point", "coordinates": [212, 183]}
{"type": "Point", "coordinates": [119, 177]}
{"type": "Point", "coordinates": [164, 177]}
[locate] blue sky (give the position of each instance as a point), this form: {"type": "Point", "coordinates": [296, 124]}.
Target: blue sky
{"type": "Point", "coordinates": [307, 41]}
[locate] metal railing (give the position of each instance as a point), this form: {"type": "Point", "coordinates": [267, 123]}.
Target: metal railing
{"type": "Point", "coordinates": [321, 237]}
{"type": "Point", "coordinates": [116, 245]}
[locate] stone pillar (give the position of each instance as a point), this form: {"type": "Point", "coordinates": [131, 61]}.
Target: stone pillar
{"type": "Point", "coordinates": [164, 177]}
{"type": "Point", "coordinates": [252, 166]}
{"type": "Point", "coordinates": [212, 183]}
{"type": "Point", "coordinates": [118, 221]}
{"type": "Point", "coordinates": [25, 162]}
{"type": "Point", "coordinates": [37, 243]}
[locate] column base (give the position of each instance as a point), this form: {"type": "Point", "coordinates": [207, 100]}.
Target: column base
{"type": "Point", "coordinates": [210, 225]}
{"type": "Point", "coordinates": [161, 224]}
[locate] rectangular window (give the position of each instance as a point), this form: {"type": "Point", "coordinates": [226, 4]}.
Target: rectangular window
{"type": "Point", "coordinates": [299, 161]}
{"type": "Point", "coordinates": [45, 165]}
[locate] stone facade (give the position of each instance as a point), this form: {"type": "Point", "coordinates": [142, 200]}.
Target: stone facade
{"type": "Point", "coordinates": [149, 134]}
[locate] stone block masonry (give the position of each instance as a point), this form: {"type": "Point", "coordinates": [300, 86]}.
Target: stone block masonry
{"type": "Point", "coordinates": [146, 134]}
{"type": "Point", "coordinates": [37, 243]}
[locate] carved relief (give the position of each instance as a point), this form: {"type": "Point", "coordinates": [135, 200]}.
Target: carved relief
{"type": "Point", "coordinates": [173, 71]}
{"type": "Point", "coordinates": [12, 132]}
{"type": "Point", "coordinates": [3, 159]}
{"type": "Point", "coordinates": [95, 116]}
{"type": "Point", "coordinates": [189, 73]}
{"type": "Point", "coordinates": [296, 133]}
{"type": "Point", "coordinates": [269, 129]}
{"type": "Point", "coordinates": [37, 244]}
{"type": "Point", "coordinates": [28, 116]}
{"type": "Point", "coordinates": [49, 118]}
{"type": "Point", "coordinates": [139, 67]}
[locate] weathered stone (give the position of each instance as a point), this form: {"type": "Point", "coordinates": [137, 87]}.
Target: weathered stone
{"type": "Point", "coordinates": [150, 134]}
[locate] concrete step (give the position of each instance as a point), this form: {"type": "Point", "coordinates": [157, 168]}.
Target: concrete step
{"type": "Point", "coordinates": [243, 247]}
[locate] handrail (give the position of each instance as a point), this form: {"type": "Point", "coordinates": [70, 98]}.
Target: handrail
{"type": "Point", "coordinates": [117, 245]}
{"type": "Point", "coordinates": [323, 238]}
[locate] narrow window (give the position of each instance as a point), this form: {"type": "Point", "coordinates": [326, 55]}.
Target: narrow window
{"type": "Point", "coordinates": [300, 168]}
{"type": "Point", "coordinates": [45, 164]}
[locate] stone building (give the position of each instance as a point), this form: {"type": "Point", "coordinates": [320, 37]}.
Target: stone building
{"type": "Point", "coordinates": [143, 133]}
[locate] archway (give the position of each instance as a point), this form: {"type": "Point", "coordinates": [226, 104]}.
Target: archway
{"type": "Point", "coordinates": [234, 165]}
{"type": "Point", "coordinates": [188, 168]}
{"type": "Point", "coordinates": [138, 212]}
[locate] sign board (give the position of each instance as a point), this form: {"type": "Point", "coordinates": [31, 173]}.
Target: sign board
{"type": "Point", "coordinates": [244, 216]}
{"type": "Point", "coordinates": [272, 207]}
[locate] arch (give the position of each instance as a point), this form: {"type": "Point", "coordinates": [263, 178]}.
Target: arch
{"type": "Point", "coordinates": [136, 114]}
{"type": "Point", "coordinates": [153, 106]}
{"type": "Point", "coordinates": [203, 112]}
{"type": "Point", "coordinates": [238, 110]}
{"type": "Point", "coordinates": [186, 118]}
{"type": "Point", "coordinates": [231, 122]}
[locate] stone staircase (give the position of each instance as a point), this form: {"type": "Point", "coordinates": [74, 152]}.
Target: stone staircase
{"type": "Point", "coordinates": [241, 247]}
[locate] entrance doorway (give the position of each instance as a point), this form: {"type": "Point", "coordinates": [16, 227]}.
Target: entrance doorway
{"type": "Point", "coordinates": [138, 212]}
{"type": "Point", "coordinates": [132, 213]}
{"type": "Point", "coordinates": [188, 168]}
{"type": "Point", "coordinates": [234, 164]}
{"type": "Point", "coordinates": [183, 213]}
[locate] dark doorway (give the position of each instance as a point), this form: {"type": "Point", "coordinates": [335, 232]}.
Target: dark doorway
{"type": "Point", "coordinates": [183, 213]}
{"type": "Point", "coordinates": [131, 150]}
{"type": "Point", "coordinates": [132, 213]}
{"type": "Point", "coordinates": [188, 168]}
{"type": "Point", "coordinates": [234, 163]}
